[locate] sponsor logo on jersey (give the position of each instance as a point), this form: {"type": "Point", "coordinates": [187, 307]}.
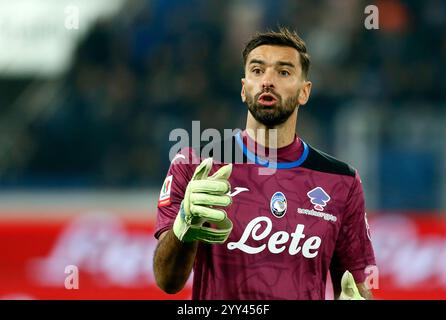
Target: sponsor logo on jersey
{"type": "Point", "coordinates": [164, 199]}
{"type": "Point", "coordinates": [237, 191]}
{"type": "Point", "coordinates": [319, 214]}
{"type": "Point", "coordinates": [319, 198]}
{"type": "Point", "coordinates": [253, 240]}
{"type": "Point", "coordinates": [278, 204]}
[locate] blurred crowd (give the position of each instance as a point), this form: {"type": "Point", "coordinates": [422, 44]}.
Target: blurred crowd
{"type": "Point", "coordinates": [160, 64]}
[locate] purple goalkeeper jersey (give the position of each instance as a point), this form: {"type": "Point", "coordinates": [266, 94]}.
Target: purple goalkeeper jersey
{"type": "Point", "coordinates": [290, 228]}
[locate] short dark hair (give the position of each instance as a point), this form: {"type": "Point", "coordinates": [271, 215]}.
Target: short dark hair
{"type": "Point", "coordinates": [283, 37]}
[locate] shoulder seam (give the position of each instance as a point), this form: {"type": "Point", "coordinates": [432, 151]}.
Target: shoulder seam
{"type": "Point", "coordinates": [323, 162]}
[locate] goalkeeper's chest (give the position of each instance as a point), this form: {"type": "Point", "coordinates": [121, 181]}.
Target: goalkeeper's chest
{"type": "Point", "coordinates": [283, 213]}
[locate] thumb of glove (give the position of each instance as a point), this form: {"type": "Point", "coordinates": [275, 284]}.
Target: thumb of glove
{"type": "Point", "coordinates": [349, 289]}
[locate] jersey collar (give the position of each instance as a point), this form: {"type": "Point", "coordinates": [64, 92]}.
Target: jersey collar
{"type": "Point", "coordinates": [266, 163]}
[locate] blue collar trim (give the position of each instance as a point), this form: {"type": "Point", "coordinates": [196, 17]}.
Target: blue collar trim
{"type": "Point", "coordinates": [265, 163]}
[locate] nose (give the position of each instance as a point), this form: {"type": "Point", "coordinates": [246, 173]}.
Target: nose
{"type": "Point", "coordinates": [267, 81]}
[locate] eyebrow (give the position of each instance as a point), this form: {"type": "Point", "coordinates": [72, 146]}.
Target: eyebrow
{"type": "Point", "coordinates": [256, 61]}
{"type": "Point", "coordinates": [280, 63]}
{"type": "Point", "coordinates": [286, 63]}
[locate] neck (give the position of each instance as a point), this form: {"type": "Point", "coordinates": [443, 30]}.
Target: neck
{"type": "Point", "coordinates": [272, 137]}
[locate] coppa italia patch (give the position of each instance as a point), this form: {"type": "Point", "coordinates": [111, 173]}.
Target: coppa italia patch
{"type": "Point", "coordinates": [164, 199]}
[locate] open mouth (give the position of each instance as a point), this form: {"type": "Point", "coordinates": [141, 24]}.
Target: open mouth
{"type": "Point", "coordinates": [267, 99]}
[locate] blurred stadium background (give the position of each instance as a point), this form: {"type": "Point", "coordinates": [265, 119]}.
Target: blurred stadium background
{"type": "Point", "coordinates": [86, 109]}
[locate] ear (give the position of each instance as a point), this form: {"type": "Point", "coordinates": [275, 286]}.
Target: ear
{"type": "Point", "coordinates": [243, 94]}
{"type": "Point", "coordinates": [304, 93]}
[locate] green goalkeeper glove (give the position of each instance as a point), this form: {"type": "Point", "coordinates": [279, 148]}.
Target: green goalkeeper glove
{"type": "Point", "coordinates": [349, 289]}
{"type": "Point", "coordinates": [202, 194]}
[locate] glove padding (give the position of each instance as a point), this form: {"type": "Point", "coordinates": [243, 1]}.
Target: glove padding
{"type": "Point", "coordinates": [202, 193]}
{"type": "Point", "coordinates": [349, 289]}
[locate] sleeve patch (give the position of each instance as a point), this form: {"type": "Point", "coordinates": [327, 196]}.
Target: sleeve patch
{"type": "Point", "coordinates": [164, 199]}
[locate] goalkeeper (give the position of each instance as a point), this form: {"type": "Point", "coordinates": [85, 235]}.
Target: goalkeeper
{"type": "Point", "coordinates": [274, 234]}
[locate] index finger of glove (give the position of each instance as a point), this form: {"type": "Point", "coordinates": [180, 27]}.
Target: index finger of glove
{"type": "Point", "coordinates": [209, 214]}
{"type": "Point", "coordinates": [222, 200]}
{"type": "Point", "coordinates": [209, 186]}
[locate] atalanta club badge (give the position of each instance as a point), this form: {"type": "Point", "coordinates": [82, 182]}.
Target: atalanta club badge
{"type": "Point", "coordinates": [278, 204]}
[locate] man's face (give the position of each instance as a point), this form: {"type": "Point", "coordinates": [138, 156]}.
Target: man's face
{"type": "Point", "coordinates": [273, 85]}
